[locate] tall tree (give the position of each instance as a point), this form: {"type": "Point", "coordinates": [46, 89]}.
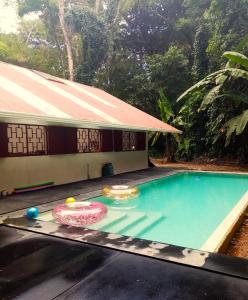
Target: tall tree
{"type": "Point", "coordinates": [61, 6]}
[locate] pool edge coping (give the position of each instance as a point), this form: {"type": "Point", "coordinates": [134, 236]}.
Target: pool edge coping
{"type": "Point", "coordinates": [224, 231]}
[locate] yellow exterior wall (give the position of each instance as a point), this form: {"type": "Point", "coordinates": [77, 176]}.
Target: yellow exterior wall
{"type": "Point", "coordinates": [22, 171]}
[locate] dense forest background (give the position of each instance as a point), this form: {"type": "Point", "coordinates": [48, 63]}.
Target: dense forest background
{"type": "Point", "coordinates": [148, 52]}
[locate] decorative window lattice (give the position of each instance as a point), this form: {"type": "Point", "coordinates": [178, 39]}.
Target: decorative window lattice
{"type": "Point", "coordinates": [133, 141]}
{"type": "Point", "coordinates": [83, 140]}
{"type": "Point", "coordinates": [36, 140]}
{"type": "Point", "coordinates": [17, 139]}
{"type": "Point", "coordinates": [26, 139]}
{"type": "Point", "coordinates": [94, 140]}
{"type": "Point", "coordinates": [88, 140]}
{"type": "Point", "coordinates": [125, 141]}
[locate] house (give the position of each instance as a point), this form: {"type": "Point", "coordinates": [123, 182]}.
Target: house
{"type": "Point", "coordinates": [56, 131]}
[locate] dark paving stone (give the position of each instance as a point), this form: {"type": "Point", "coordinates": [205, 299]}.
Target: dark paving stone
{"type": "Point", "coordinates": [27, 199]}
{"type": "Point", "coordinates": [41, 267]}
{"type": "Point", "coordinates": [134, 277]}
{"type": "Point", "coordinates": [35, 266]}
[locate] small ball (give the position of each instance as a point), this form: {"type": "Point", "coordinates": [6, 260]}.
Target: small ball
{"type": "Point", "coordinates": [70, 200]}
{"type": "Point", "coordinates": [32, 212]}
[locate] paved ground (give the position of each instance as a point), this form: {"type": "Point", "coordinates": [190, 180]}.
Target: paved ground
{"type": "Point", "coordinates": [20, 201]}
{"type": "Point", "coordinates": [218, 167]}
{"type": "Point", "coordinates": [35, 266]}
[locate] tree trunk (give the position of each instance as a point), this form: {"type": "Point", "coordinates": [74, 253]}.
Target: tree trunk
{"type": "Point", "coordinates": [97, 6]}
{"type": "Point", "coordinates": [110, 39]}
{"type": "Point", "coordinates": [66, 38]}
{"type": "Point", "coordinates": [169, 155]}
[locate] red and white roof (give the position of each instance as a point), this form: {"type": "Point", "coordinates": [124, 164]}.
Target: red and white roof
{"type": "Point", "coordinates": [29, 95]}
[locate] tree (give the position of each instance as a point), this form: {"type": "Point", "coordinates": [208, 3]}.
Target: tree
{"type": "Point", "coordinates": [48, 15]}
{"type": "Point", "coordinates": [231, 84]}
{"type": "Point", "coordinates": [174, 143]}
{"type": "Point", "coordinates": [67, 41]}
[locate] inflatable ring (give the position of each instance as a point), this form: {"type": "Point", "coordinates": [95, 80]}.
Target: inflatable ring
{"type": "Point", "coordinates": [120, 192]}
{"type": "Point", "coordinates": [79, 213]}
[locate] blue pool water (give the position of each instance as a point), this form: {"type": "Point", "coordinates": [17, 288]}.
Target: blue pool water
{"type": "Point", "coordinates": [182, 209]}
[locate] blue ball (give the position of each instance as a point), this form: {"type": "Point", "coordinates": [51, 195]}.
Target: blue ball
{"type": "Point", "coordinates": [32, 212]}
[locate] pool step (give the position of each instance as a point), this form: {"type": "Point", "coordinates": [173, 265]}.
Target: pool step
{"type": "Point", "coordinates": [130, 223]}
{"type": "Point", "coordinates": [112, 218]}
{"type": "Point", "coordinates": [129, 220]}
{"type": "Point", "coordinates": [151, 220]}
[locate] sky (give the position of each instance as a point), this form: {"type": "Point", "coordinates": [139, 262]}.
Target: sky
{"type": "Point", "coordinates": [8, 17]}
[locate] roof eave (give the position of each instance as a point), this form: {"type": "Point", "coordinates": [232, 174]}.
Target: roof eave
{"type": "Point", "coordinates": [13, 117]}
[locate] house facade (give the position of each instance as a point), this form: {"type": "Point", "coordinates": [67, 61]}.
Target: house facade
{"type": "Point", "coordinates": [53, 131]}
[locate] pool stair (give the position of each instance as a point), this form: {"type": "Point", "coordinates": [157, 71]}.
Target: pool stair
{"type": "Point", "coordinates": [130, 223]}
{"type": "Point", "coordinates": [124, 223]}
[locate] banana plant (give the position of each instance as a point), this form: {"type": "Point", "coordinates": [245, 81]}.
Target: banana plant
{"type": "Point", "coordinates": [230, 83]}
{"type": "Point", "coordinates": [167, 115]}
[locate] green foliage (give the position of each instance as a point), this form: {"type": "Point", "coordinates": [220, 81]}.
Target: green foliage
{"type": "Point", "coordinates": [230, 84]}
{"type": "Point", "coordinates": [94, 43]}
{"type": "Point", "coordinates": [200, 66]}
{"type": "Point", "coordinates": [236, 125]}
{"type": "Point", "coordinates": [237, 58]}
{"type": "Point", "coordinates": [144, 50]}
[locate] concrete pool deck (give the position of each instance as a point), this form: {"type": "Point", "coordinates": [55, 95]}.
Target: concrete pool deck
{"type": "Point", "coordinates": [37, 266]}
{"type": "Point", "coordinates": [17, 234]}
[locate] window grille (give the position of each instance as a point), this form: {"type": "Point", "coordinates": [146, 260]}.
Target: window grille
{"type": "Point", "coordinates": [17, 139]}
{"type": "Point", "coordinates": [88, 140]}
{"type": "Point", "coordinates": [125, 141]}
{"type": "Point", "coordinates": [132, 141]}
{"type": "Point", "coordinates": [94, 140]}
{"type": "Point", "coordinates": [36, 136]}
{"type": "Point", "coordinates": [128, 141]}
{"type": "Point", "coordinates": [83, 140]}
{"type": "Point", "coordinates": [26, 140]}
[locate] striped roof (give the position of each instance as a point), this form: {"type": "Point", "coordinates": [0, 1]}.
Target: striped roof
{"type": "Point", "coordinates": [30, 95]}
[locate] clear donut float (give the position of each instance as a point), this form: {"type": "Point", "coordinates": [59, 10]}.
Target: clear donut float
{"type": "Point", "coordinates": [79, 213]}
{"type": "Point", "coordinates": [120, 192]}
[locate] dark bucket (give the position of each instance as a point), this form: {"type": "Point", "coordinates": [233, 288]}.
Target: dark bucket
{"type": "Point", "coordinates": [107, 170]}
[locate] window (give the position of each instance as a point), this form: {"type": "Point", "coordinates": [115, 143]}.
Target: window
{"type": "Point", "coordinates": [88, 140]}
{"type": "Point", "coordinates": [36, 137]}
{"type": "Point", "coordinates": [83, 140]}
{"type": "Point", "coordinates": [61, 140]}
{"type": "Point", "coordinates": [23, 140]}
{"type": "Point", "coordinates": [128, 141]}
{"type": "Point", "coordinates": [125, 140]}
{"type": "Point", "coordinates": [133, 140]}
{"type": "Point", "coordinates": [94, 140]}
{"type": "Point", "coordinates": [17, 139]}
{"type": "Point", "coordinates": [26, 140]}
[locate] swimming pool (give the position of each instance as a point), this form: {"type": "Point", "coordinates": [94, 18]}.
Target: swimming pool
{"type": "Point", "coordinates": [182, 209]}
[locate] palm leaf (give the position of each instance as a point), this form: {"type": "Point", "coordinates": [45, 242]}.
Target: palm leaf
{"type": "Point", "coordinates": [212, 79]}
{"type": "Point", "coordinates": [236, 125]}
{"type": "Point", "coordinates": [155, 138]}
{"type": "Point", "coordinates": [201, 84]}
{"type": "Point", "coordinates": [210, 97]}
{"type": "Point", "coordinates": [165, 107]}
{"type": "Point", "coordinates": [237, 58]}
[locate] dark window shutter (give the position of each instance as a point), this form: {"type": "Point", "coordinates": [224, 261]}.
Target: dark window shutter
{"type": "Point", "coordinates": [117, 140]}
{"type": "Point", "coordinates": [3, 140]}
{"type": "Point", "coordinates": [106, 140]}
{"type": "Point", "coordinates": [55, 140]}
{"type": "Point", "coordinates": [70, 140]}
{"type": "Point", "coordinates": [141, 141]}
{"type": "Point", "coordinates": [61, 140]}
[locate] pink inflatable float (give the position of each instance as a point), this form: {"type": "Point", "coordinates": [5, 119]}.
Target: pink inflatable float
{"type": "Point", "coordinates": [79, 213]}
